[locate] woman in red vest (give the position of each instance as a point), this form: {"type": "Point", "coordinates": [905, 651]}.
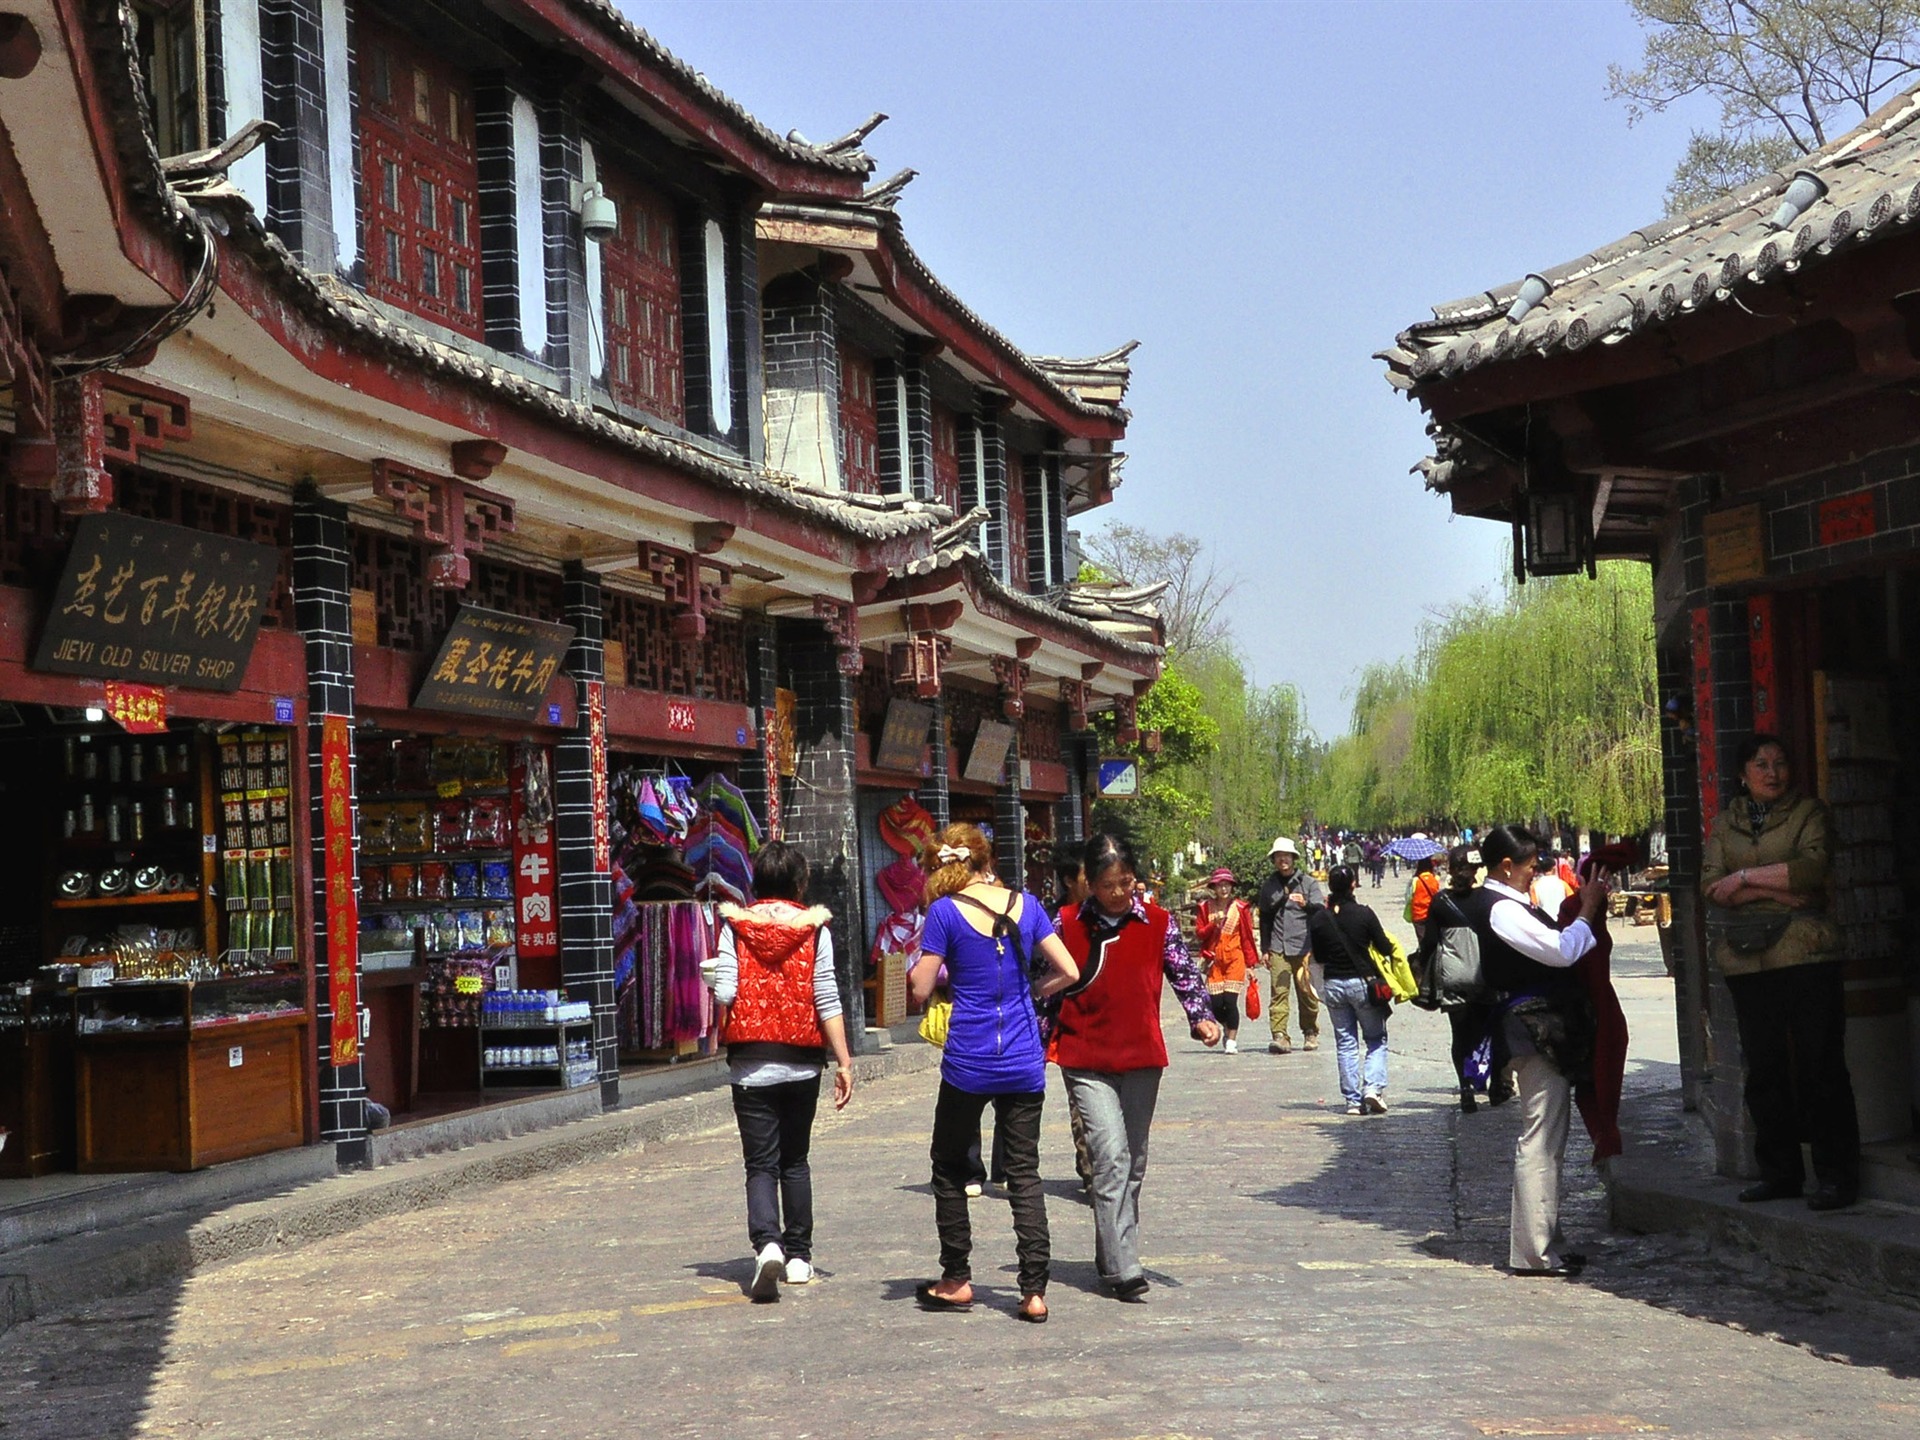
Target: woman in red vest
{"type": "Point", "coordinates": [1109, 1047]}
{"type": "Point", "coordinates": [1224, 928]}
{"type": "Point", "coordinates": [781, 1014]}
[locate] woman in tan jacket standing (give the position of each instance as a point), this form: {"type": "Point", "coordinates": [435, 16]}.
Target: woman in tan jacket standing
{"type": "Point", "coordinates": [1764, 872]}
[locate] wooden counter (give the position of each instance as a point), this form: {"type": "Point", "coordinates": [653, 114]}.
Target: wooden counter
{"type": "Point", "coordinates": [183, 1099]}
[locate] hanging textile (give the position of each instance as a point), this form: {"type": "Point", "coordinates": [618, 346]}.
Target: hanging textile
{"type": "Point", "coordinates": [660, 999]}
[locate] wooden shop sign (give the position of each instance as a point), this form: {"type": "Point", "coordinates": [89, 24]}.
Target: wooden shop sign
{"type": "Point", "coordinates": [1736, 545]}
{"type": "Point", "coordinates": [903, 738]}
{"type": "Point", "coordinates": [987, 760]}
{"type": "Point", "coordinates": [157, 604]}
{"type": "Point", "coordinates": [495, 666]}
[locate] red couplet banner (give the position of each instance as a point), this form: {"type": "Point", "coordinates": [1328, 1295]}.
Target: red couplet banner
{"type": "Point", "coordinates": [343, 910]}
{"type": "Point", "coordinates": [597, 749]}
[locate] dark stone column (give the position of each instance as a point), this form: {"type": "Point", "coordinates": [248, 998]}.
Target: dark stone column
{"type": "Point", "coordinates": [293, 83]}
{"type": "Point", "coordinates": [561, 168]}
{"type": "Point", "coordinates": [823, 820]}
{"type": "Point", "coordinates": [1010, 823]}
{"type": "Point", "coordinates": [749, 434]}
{"type": "Point", "coordinates": [323, 611]}
{"type": "Point", "coordinates": [586, 894]}
{"type": "Point", "coordinates": [993, 477]}
{"type": "Point", "coordinates": [755, 781]}
{"type": "Point", "coordinates": [499, 218]}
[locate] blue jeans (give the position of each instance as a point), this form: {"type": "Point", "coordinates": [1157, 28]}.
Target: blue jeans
{"type": "Point", "coordinates": [1354, 1016]}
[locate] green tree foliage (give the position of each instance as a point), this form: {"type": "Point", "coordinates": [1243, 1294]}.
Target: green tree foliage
{"type": "Point", "coordinates": [1788, 74]}
{"type": "Point", "coordinates": [1540, 707]}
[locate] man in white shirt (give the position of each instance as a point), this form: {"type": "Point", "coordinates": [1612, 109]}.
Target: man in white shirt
{"type": "Point", "coordinates": [1523, 953]}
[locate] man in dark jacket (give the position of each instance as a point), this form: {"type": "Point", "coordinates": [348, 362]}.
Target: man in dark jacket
{"type": "Point", "coordinates": [1282, 902]}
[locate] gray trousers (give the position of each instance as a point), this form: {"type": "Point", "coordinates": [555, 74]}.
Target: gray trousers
{"type": "Point", "coordinates": [1117, 1107]}
{"type": "Point", "coordinates": [1546, 1103]}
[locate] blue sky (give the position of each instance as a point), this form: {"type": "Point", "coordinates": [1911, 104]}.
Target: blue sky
{"type": "Point", "coordinates": [1263, 195]}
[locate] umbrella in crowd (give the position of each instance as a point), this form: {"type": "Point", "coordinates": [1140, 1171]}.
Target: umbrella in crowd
{"type": "Point", "coordinates": [1415, 847]}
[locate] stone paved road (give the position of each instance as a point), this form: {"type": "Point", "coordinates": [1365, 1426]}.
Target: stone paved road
{"type": "Point", "coordinates": [1316, 1276]}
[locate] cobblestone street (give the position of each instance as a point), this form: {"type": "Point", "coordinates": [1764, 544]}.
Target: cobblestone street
{"type": "Point", "coordinates": [1314, 1276]}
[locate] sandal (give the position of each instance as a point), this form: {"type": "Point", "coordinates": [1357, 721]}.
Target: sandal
{"type": "Point", "coordinates": [930, 1301]}
{"type": "Point", "coordinates": [1027, 1315]}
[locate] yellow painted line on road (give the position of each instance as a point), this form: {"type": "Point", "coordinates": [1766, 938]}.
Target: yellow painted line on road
{"type": "Point", "coordinates": [520, 1325]}
{"type": "Point", "coordinates": [564, 1342]}
{"type": "Point", "coordinates": [1332, 1264]}
{"type": "Point", "coordinates": [1171, 1262]}
{"type": "Point", "coordinates": [307, 1362]}
{"type": "Point", "coordinates": [1570, 1425]}
{"type": "Point", "coordinates": [673, 1307]}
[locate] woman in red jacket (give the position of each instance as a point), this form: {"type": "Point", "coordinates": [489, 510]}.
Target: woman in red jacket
{"type": "Point", "coordinates": [1109, 1047]}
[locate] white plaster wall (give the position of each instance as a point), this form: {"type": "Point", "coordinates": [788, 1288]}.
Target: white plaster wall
{"type": "Point", "coordinates": [346, 206]}
{"type": "Point", "coordinates": [240, 61]}
{"type": "Point", "coordinates": [530, 234]}
{"type": "Point", "coordinates": [596, 286]}
{"type": "Point", "coordinates": [719, 353]}
{"type": "Point", "coordinates": [800, 435]}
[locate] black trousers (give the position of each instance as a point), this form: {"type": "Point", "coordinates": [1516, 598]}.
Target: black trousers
{"type": "Point", "coordinates": [1226, 1009]}
{"type": "Point", "coordinates": [956, 1129]}
{"type": "Point", "coordinates": [1793, 1031]}
{"type": "Point", "coordinates": [1471, 1024]}
{"type": "Point", "coordinates": [776, 1134]}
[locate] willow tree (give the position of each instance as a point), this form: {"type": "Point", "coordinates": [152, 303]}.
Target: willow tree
{"type": "Point", "coordinates": [1546, 707]}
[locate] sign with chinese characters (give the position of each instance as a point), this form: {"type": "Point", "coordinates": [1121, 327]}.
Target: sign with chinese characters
{"type": "Point", "coordinates": [597, 756]}
{"type": "Point", "coordinates": [903, 737]}
{"type": "Point", "coordinates": [1848, 517]}
{"type": "Point", "coordinates": [1118, 779]}
{"type": "Point", "coordinates": [343, 910]}
{"type": "Point", "coordinates": [988, 758]}
{"type": "Point", "coordinates": [155, 603]}
{"type": "Point", "coordinates": [1736, 544]}
{"type": "Point", "coordinates": [494, 665]}
{"type": "Point", "coordinates": [681, 717]}
{"type": "Point", "coordinates": [137, 709]}
{"type": "Point", "coordinates": [784, 735]}
{"type": "Point", "coordinates": [536, 881]}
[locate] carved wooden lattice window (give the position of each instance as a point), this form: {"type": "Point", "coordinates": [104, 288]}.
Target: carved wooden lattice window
{"type": "Point", "coordinates": [1016, 491]}
{"type": "Point", "coordinates": [216, 512]}
{"type": "Point", "coordinates": [1040, 733]}
{"type": "Point", "coordinates": [646, 366]}
{"type": "Point", "coordinates": [946, 458]}
{"type": "Point", "coordinates": [859, 424]}
{"type": "Point", "coordinates": [715, 668]}
{"type": "Point", "coordinates": [419, 180]}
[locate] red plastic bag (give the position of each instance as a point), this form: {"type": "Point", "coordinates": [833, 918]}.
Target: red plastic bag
{"type": "Point", "coordinates": [1253, 996]}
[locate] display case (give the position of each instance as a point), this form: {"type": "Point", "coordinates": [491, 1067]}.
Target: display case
{"type": "Point", "coordinates": [175, 1075]}
{"type": "Point", "coordinates": [36, 1078]}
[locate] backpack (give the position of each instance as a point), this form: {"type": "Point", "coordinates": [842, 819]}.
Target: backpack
{"type": "Point", "coordinates": [1454, 977]}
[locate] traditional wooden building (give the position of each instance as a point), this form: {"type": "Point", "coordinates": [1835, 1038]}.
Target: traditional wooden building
{"type": "Point", "coordinates": [406, 628]}
{"type": "Point", "coordinates": [1729, 396]}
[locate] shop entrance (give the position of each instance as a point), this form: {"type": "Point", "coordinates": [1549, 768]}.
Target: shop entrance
{"type": "Point", "coordinates": [155, 986]}
{"type": "Point", "coordinates": [1837, 677]}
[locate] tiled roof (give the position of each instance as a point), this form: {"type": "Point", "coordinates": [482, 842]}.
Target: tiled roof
{"type": "Point", "coordinates": [967, 563]}
{"type": "Point", "coordinates": [603, 13]}
{"type": "Point", "coordinates": [1686, 263]}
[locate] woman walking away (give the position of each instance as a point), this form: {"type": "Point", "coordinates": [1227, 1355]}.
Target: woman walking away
{"type": "Point", "coordinates": [775, 983]}
{"type": "Point", "coordinates": [1548, 1029]}
{"type": "Point", "coordinates": [1224, 928]}
{"type": "Point", "coordinates": [1345, 933]}
{"type": "Point", "coordinates": [1765, 873]}
{"type": "Point", "coordinates": [986, 936]}
{"type": "Point", "coordinates": [1426, 885]}
{"type": "Point", "coordinates": [1471, 1018]}
{"type": "Point", "coordinates": [1110, 1048]}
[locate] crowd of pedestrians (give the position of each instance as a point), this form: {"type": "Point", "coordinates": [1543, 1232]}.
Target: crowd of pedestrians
{"type": "Point", "coordinates": [1512, 947]}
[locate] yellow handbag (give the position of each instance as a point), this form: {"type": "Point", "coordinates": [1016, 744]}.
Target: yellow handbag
{"type": "Point", "coordinates": [1395, 970]}
{"type": "Point", "coordinates": [933, 1024]}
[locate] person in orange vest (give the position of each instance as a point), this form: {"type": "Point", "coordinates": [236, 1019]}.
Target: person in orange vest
{"type": "Point", "coordinates": [781, 1015]}
{"type": "Point", "coordinates": [1426, 885]}
{"type": "Point", "coordinates": [1224, 928]}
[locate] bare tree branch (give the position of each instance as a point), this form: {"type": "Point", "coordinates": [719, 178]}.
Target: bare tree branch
{"type": "Point", "coordinates": [1197, 589]}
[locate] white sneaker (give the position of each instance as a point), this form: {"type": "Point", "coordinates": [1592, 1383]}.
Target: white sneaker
{"type": "Point", "coordinates": [766, 1274]}
{"type": "Point", "coordinates": [1373, 1103]}
{"type": "Point", "coordinates": [1233, 1047]}
{"type": "Point", "coordinates": [799, 1272]}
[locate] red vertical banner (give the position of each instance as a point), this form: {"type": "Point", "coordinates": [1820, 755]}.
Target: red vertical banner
{"type": "Point", "coordinates": [597, 762]}
{"type": "Point", "coordinates": [343, 910]}
{"type": "Point", "coordinates": [1760, 654]}
{"type": "Point", "coordinates": [1706, 757]}
{"type": "Point", "coordinates": [536, 882]}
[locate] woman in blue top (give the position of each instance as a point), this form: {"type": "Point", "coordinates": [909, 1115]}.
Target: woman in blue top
{"type": "Point", "coordinates": [993, 944]}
